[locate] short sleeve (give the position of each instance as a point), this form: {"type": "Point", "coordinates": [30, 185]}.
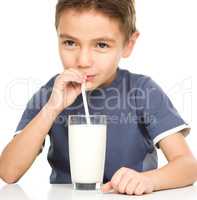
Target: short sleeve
{"type": "Point", "coordinates": [33, 107]}
{"type": "Point", "coordinates": [35, 104]}
{"type": "Point", "coordinates": [157, 112]}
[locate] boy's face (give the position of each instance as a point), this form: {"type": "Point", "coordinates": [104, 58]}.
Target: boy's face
{"type": "Point", "coordinates": [92, 43]}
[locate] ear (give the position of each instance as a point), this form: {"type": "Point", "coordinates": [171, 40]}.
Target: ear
{"type": "Point", "coordinates": [128, 47]}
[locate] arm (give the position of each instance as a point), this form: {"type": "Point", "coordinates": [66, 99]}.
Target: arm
{"type": "Point", "coordinates": [20, 153]}
{"type": "Point", "coordinates": [180, 171]}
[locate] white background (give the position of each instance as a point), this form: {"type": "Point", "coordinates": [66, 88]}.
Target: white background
{"type": "Point", "coordinates": [165, 51]}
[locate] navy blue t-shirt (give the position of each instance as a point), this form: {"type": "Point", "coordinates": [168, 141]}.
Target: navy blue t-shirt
{"type": "Point", "coordinates": [139, 115]}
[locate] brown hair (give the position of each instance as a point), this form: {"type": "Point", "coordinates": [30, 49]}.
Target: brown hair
{"type": "Point", "coordinates": [123, 10]}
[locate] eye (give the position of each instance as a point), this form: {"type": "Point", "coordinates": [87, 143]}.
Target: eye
{"type": "Point", "coordinates": [102, 45]}
{"type": "Point", "coordinates": [69, 43]}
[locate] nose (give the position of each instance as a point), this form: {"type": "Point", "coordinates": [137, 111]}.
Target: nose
{"type": "Point", "coordinates": [84, 58]}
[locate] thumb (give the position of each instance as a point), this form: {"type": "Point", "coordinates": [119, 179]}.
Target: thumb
{"type": "Point", "coordinates": [107, 187]}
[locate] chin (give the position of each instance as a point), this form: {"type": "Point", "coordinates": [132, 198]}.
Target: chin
{"type": "Point", "coordinates": [90, 86]}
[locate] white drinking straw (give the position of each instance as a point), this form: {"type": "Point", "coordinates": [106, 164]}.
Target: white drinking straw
{"type": "Point", "coordinates": [83, 90]}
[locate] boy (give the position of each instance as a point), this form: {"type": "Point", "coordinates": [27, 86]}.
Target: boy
{"type": "Point", "coordinates": [93, 36]}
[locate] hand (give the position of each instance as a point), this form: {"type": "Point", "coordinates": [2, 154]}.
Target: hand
{"type": "Point", "coordinates": [66, 88]}
{"type": "Point", "coordinates": [129, 181]}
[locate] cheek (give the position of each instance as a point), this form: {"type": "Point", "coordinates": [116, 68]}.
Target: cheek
{"type": "Point", "coordinates": [67, 59]}
{"type": "Point", "coordinates": [108, 61]}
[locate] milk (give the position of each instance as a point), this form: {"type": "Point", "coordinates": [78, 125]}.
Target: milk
{"type": "Point", "coordinates": [87, 146]}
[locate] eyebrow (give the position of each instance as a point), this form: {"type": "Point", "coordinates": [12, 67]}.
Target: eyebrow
{"type": "Point", "coordinates": [105, 38]}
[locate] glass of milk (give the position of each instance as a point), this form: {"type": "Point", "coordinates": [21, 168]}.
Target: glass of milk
{"type": "Point", "coordinates": [87, 147]}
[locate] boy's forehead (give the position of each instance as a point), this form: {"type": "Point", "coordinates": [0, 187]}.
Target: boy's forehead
{"type": "Point", "coordinates": [88, 25]}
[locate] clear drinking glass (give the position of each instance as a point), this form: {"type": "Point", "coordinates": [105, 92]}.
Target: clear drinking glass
{"type": "Point", "coordinates": [87, 147]}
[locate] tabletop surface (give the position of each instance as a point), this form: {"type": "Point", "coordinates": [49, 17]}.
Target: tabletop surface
{"type": "Point", "coordinates": [66, 191]}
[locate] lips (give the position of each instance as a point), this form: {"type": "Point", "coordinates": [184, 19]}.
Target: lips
{"type": "Point", "coordinates": [90, 77]}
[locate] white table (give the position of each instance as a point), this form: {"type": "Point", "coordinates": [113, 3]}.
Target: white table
{"type": "Point", "coordinates": [65, 192]}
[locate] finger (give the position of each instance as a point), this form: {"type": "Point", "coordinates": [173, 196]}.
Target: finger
{"type": "Point", "coordinates": [80, 74]}
{"type": "Point", "coordinates": [71, 77]}
{"type": "Point", "coordinates": [114, 191]}
{"type": "Point", "coordinates": [117, 177]}
{"type": "Point", "coordinates": [124, 182]}
{"type": "Point", "coordinates": [131, 186]}
{"type": "Point", "coordinates": [139, 189]}
{"type": "Point", "coordinates": [77, 87]}
{"type": "Point", "coordinates": [107, 187]}
{"type": "Point", "coordinates": [69, 73]}
{"type": "Point", "coordinates": [148, 189]}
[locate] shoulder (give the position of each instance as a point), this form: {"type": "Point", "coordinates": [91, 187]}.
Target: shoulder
{"type": "Point", "coordinates": [48, 86]}
{"type": "Point", "coordinates": [50, 82]}
{"type": "Point", "coordinates": [136, 80]}
{"type": "Point", "coordinates": [41, 96]}
{"type": "Point", "coordinates": [142, 87]}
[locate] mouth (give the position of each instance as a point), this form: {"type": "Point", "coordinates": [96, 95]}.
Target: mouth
{"type": "Point", "coordinates": [90, 77]}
